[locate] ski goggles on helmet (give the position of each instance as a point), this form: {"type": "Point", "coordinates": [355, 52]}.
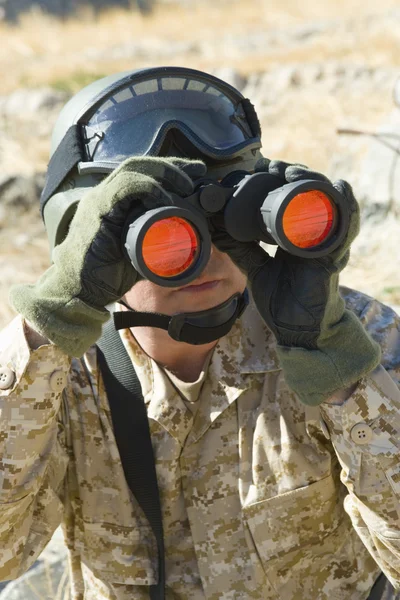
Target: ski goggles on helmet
{"type": "Point", "coordinates": [133, 115]}
{"type": "Point", "coordinates": [134, 119]}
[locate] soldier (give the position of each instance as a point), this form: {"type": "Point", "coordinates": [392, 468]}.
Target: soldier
{"type": "Point", "coordinates": [275, 430]}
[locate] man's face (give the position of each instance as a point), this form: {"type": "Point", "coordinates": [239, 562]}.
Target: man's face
{"type": "Point", "coordinates": [220, 279]}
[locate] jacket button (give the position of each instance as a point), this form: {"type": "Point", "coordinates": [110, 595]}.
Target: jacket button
{"type": "Point", "coordinates": [361, 434]}
{"type": "Point", "coordinates": [57, 381]}
{"type": "Point", "coordinates": [6, 378]}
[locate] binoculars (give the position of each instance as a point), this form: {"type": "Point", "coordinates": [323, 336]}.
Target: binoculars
{"type": "Point", "coordinates": [171, 245]}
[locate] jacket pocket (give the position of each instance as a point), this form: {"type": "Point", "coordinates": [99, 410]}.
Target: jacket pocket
{"type": "Point", "coordinates": [292, 531]}
{"type": "Point", "coordinates": [119, 554]}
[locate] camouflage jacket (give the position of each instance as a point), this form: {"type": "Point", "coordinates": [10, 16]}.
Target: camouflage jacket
{"type": "Point", "coordinates": [262, 497]}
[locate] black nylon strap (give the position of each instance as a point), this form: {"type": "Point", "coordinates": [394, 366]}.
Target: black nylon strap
{"type": "Point", "coordinates": [382, 589]}
{"type": "Point", "coordinates": [127, 319]}
{"type": "Point", "coordinates": [132, 434]}
{"type": "Point", "coordinates": [201, 327]}
{"type": "Point", "coordinates": [183, 332]}
{"type": "Point", "coordinates": [64, 159]}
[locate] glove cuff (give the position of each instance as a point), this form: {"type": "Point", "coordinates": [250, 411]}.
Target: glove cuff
{"type": "Point", "coordinates": [73, 326]}
{"type": "Point", "coordinates": [344, 354]}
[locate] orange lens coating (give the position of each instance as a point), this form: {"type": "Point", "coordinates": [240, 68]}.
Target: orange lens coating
{"type": "Point", "coordinates": [308, 219]}
{"type": "Point", "coordinates": [170, 246]}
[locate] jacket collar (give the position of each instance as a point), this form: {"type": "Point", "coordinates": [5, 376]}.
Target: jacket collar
{"type": "Point", "coordinates": [249, 348]}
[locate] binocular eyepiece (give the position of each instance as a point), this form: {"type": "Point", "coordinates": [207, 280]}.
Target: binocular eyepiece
{"type": "Point", "coordinates": [171, 245]}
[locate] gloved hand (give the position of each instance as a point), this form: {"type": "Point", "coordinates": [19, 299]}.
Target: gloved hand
{"type": "Point", "coordinates": [322, 346]}
{"type": "Point", "coordinates": [90, 270]}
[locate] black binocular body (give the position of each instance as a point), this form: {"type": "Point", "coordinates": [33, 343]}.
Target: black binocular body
{"type": "Point", "coordinates": [171, 245]}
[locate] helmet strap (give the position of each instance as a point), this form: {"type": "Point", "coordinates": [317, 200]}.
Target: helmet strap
{"type": "Point", "coordinates": [194, 328]}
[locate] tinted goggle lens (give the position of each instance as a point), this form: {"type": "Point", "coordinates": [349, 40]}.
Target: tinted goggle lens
{"type": "Point", "coordinates": [133, 120]}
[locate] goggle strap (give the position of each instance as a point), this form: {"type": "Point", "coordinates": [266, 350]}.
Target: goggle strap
{"type": "Point", "coordinates": [251, 117]}
{"type": "Point", "coordinates": [67, 155]}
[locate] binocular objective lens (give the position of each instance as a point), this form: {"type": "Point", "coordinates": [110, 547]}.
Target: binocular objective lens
{"type": "Point", "coordinates": [308, 219]}
{"type": "Point", "coordinates": [170, 247]}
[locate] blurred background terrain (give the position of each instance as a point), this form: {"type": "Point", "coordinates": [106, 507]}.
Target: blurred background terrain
{"type": "Point", "coordinates": [316, 71]}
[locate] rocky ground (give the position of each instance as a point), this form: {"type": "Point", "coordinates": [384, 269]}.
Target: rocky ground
{"type": "Point", "coordinates": [311, 77]}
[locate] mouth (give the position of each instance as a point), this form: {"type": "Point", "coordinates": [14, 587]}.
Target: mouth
{"type": "Point", "coordinates": [200, 287]}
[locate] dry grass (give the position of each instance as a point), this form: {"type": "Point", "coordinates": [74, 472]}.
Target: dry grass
{"type": "Point", "coordinates": [50, 590]}
{"type": "Point", "coordinates": [43, 50]}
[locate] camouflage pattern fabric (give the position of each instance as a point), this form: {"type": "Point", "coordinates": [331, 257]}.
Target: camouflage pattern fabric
{"type": "Point", "coordinates": [262, 497]}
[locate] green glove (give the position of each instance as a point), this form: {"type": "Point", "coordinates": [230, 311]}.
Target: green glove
{"type": "Point", "coordinates": [322, 346]}
{"type": "Point", "coordinates": [90, 270]}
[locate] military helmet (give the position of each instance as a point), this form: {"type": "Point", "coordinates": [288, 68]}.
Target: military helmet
{"type": "Point", "coordinates": [162, 111]}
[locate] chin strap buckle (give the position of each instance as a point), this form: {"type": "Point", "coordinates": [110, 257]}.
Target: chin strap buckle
{"type": "Point", "coordinates": [208, 325]}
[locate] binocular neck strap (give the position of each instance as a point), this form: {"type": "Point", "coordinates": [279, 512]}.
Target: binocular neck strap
{"type": "Point", "coordinates": [193, 328]}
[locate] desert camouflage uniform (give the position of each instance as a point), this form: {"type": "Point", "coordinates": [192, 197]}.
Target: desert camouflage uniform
{"type": "Point", "coordinates": [261, 496]}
